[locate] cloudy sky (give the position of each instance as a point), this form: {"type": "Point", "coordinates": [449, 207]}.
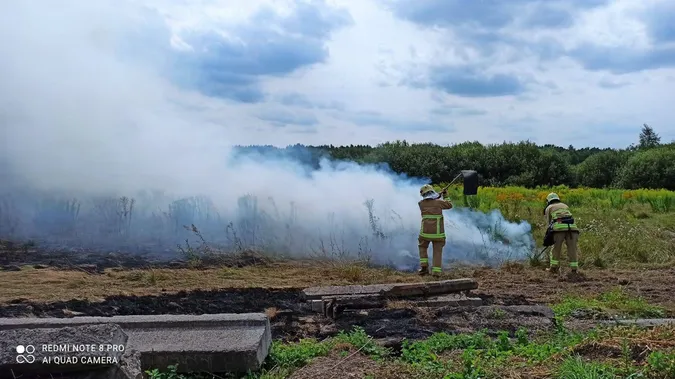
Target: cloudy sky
{"type": "Point", "coordinates": [581, 72]}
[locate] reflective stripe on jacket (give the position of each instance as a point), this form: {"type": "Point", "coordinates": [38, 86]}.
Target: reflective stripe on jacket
{"type": "Point", "coordinates": [560, 218]}
{"type": "Point", "coordinates": [433, 225]}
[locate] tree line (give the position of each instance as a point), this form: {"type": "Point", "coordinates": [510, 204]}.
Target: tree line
{"type": "Point", "coordinates": [646, 164]}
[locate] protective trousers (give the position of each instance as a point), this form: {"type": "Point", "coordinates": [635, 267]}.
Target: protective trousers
{"type": "Point", "coordinates": [570, 238]}
{"type": "Point", "coordinates": [438, 244]}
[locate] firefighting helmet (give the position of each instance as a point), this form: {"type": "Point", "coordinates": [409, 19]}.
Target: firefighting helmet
{"type": "Point", "coordinates": [426, 188]}
{"type": "Point", "coordinates": [552, 196]}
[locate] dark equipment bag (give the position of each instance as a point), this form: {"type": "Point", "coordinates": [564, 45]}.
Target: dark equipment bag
{"type": "Point", "coordinates": [548, 237]}
{"type": "Point", "coordinates": [470, 182]}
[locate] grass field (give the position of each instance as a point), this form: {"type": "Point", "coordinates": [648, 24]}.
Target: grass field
{"type": "Point", "coordinates": [620, 228]}
{"type": "Point", "coordinates": [627, 248]}
{"type": "Point", "coordinates": [478, 355]}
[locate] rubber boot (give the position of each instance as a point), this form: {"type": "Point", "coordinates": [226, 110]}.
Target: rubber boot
{"type": "Point", "coordinates": [553, 269]}
{"type": "Point", "coordinates": [424, 270]}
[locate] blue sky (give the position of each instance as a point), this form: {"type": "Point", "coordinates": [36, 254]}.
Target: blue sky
{"type": "Point", "coordinates": [581, 72]}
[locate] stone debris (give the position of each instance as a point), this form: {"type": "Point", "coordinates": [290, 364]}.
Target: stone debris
{"type": "Point", "coordinates": [433, 288]}
{"type": "Point", "coordinates": [233, 343]}
{"type": "Point", "coordinates": [60, 350]}
{"type": "Point", "coordinates": [644, 322]}
{"type": "Point", "coordinates": [402, 290]}
{"type": "Point", "coordinates": [452, 300]}
{"type": "Point", "coordinates": [332, 301]}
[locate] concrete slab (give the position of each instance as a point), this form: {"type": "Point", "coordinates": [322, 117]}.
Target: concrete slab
{"type": "Point", "coordinates": [452, 300]}
{"type": "Point", "coordinates": [25, 352]}
{"type": "Point", "coordinates": [316, 305]}
{"type": "Point", "coordinates": [433, 288]}
{"type": "Point", "coordinates": [393, 289]}
{"type": "Point", "coordinates": [644, 322]}
{"type": "Point", "coordinates": [333, 306]}
{"type": "Point", "coordinates": [315, 293]}
{"type": "Point", "coordinates": [211, 343]}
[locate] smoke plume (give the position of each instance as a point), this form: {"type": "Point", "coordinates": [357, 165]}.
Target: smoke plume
{"type": "Point", "coordinates": [101, 151]}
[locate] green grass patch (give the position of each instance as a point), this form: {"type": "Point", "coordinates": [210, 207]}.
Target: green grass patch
{"type": "Point", "coordinates": [358, 339]}
{"type": "Point", "coordinates": [298, 354]}
{"type": "Point", "coordinates": [561, 355]}
{"type": "Point", "coordinates": [661, 365]}
{"type": "Point", "coordinates": [480, 356]}
{"type": "Point", "coordinates": [577, 368]}
{"type": "Point", "coordinates": [614, 303]}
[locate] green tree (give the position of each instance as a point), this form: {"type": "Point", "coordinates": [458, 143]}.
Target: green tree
{"type": "Point", "coordinates": [648, 137]}
{"type": "Point", "coordinates": [600, 170]}
{"type": "Point", "coordinates": [523, 163]}
{"type": "Point", "coordinates": [651, 168]}
{"type": "Point", "coordinates": [552, 169]}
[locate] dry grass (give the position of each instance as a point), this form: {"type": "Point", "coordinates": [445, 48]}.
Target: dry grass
{"type": "Point", "coordinates": [45, 285]}
{"type": "Point", "coordinates": [52, 285]}
{"type": "Point", "coordinates": [338, 366]}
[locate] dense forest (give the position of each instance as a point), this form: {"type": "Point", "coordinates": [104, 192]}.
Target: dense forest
{"type": "Point", "coordinates": [645, 164]}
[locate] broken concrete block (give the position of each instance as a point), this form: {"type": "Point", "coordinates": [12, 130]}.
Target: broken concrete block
{"type": "Point", "coordinates": [643, 322]}
{"type": "Point", "coordinates": [316, 305]}
{"type": "Point", "coordinates": [128, 368]}
{"type": "Point", "coordinates": [131, 365]}
{"type": "Point", "coordinates": [315, 293]}
{"type": "Point", "coordinates": [334, 306]}
{"type": "Point", "coordinates": [451, 300]}
{"type": "Point", "coordinates": [208, 343]}
{"type": "Point", "coordinates": [360, 302]}
{"type": "Point", "coordinates": [395, 289]}
{"type": "Point", "coordinates": [432, 288]}
{"type": "Point", "coordinates": [60, 349]}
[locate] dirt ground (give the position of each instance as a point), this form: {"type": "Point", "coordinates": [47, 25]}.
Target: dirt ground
{"type": "Point", "coordinates": [655, 285]}
{"type": "Point", "coordinates": [36, 284]}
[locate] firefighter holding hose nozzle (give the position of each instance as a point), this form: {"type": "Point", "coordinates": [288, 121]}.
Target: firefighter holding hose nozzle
{"type": "Point", "coordinates": [432, 229]}
{"type": "Point", "coordinates": [561, 228]}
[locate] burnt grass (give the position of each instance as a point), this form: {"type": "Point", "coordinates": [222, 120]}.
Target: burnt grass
{"type": "Point", "coordinates": [292, 319]}
{"type": "Point", "coordinates": [13, 255]}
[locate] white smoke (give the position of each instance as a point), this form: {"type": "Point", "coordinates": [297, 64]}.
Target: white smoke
{"type": "Point", "coordinates": [84, 123]}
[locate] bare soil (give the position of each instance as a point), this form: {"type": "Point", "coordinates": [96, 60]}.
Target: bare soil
{"type": "Point", "coordinates": [656, 285]}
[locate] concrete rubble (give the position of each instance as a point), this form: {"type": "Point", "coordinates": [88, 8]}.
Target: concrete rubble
{"type": "Point", "coordinates": [216, 343]}
{"type": "Point", "coordinates": [394, 289]}
{"type": "Point", "coordinates": [644, 322]}
{"type": "Point", "coordinates": [233, 343]}
{"type": "Point", "coordinates": [332, 301]}
{"type": "Point", "coordinates": [450, 300]}
{"type": "Point", "coordinates": [70, 349]}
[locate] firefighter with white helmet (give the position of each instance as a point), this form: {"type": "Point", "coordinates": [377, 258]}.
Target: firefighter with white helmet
{"type": "Point", "coordinates": [432, 229]}
{"type": "Point", "coordinates": [561, 229]}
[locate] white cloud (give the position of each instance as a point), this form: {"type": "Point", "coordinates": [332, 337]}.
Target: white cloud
{"type": "Point", "coordinates": [368, 59]}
